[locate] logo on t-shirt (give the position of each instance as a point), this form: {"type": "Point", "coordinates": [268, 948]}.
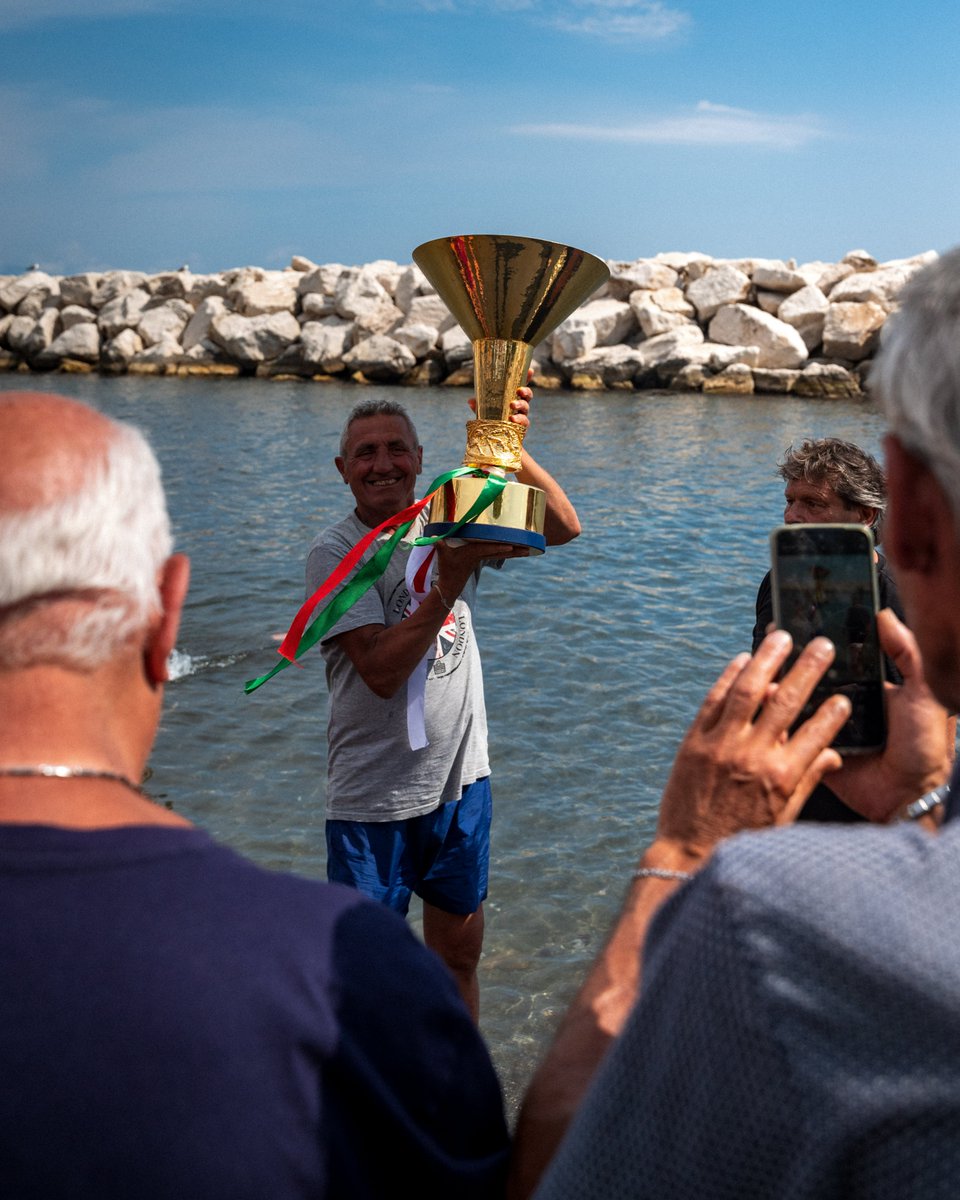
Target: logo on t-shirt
{"type": "Point", "coordinates": [452, 639]}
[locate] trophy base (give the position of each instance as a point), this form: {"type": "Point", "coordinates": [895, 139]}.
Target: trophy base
{"type": "Point", "coordinates": [515, 517]}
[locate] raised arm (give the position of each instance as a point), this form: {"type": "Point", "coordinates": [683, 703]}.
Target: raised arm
{"type": "Point", "coordinates": [561, 523]}
{"type": "Point", "coordinates": [736, 769]}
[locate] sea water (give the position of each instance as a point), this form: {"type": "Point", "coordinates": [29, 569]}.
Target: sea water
{"type": "Point", "coordinates": [596, 655]}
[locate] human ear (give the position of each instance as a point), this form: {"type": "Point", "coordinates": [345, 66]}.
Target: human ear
{"type": "Point", "coordinates": [174, 581]}
{"type": "Point", "coordinates": [918, 511]}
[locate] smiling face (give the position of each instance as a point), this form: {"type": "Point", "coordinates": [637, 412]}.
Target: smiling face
{"type": "Point", "coordinates": [380, 464]}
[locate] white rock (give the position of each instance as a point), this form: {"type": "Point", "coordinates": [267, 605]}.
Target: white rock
{"type": "Point", "coordinates": [572, 338]}
{"type": "Point", "coordinates": [80, 289]}
{"type": "Point", "coordinates": [387, 273]}
{"type": "Point", "coordinates": [644, 274]}
{"type": "Point", "coordinates": [428, 310]}
{"type": "Point", "coordinates": [412, 283]}
{"type": "Point", "coordinates": [197, 329]}
{"type": "Point", "coordinates": [419, 339]}
{"type": "Point", "coordinates": [860, 260]}
{"type": "Point", "coordinates": [664, 346]}
{"type": "Point", "coordinates": [80, 341]}
{"type": "Point", "coordinates": [17, 289]}
{"type": "Point", "coordinates": [167, 350]}
{"type": "Point", "coordinates": [255, 293]}
{"type": "Point", "coordinates": [125, 346]}
{"type": "Point", "coordinates": [123, 312]}
{"type": "Point", "coordinates": [76, 314]}
{"type": "Point", "coordinates": [322, 279]}
{"type": "Point", "coordinates": [325, 343]}
{"type": "Point", "coordinates": [314, 305]}
{"type": "Point", "coordinates": [806, 311]}
{"type": "Point", "coordinates": [114, 284]}
{"type": "Point", "coordinates": [166, 321]}
{"type": "Point", "coordinates": [718, 357]}
{"type": "Point", "coordinates": [456, 347]}
{"type": "Point", "coordinates": [611, 364]}
{"type": "Point", "coordinates": [35, 340]}
{"type": "Point", "coordinates": [779, 344]}
{"type": "Point", "coordinates": [204, 286]}
{"type": "Point", "coordinates": [852, 329]}
{"type": "Point", "coordinates": [881, 286]}
{"type": "Point", "coordinates": [719, 286]}
{"type": "Point", "coordinates": [614, 320]}
{"type": "Point", "coordinates": [775, 276]}
{"type": "Point", "coordinates": [652, 318]}
{"type": "Point", "coordinates": [19, 332]}
{"type": "Point", "coordinates": [673, 300]}
{"type": "Point", "coordinates": [769, 302]}
{"type": "Point", "coordinates": [250, 340]}
{"type": "Point", "coordinates": [359, 294]}
{"type": "Point", "coordinates": [380, 318]}
{"type": "Point", "coordinates": [380, 357]}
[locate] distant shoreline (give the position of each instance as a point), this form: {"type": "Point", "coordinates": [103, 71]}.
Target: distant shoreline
{"type": "Point", "coordinates": [678, 321]}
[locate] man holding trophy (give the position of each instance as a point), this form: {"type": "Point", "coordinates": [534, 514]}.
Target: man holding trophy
{"type": "Point", "coordinates": [408, 795]}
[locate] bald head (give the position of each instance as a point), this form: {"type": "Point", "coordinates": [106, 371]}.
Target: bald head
{"type": "Point", "coordinates": [83, 531]}
{"type": "Point", "coordinates": [50, 444]}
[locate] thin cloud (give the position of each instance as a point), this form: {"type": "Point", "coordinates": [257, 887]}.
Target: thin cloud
{"type": "Point", "coordinates": [707, 125]}
{"type": "Point", "coordinates": [610, 20]}
{"type": "Point", "coordinates": [621, 20]}
{"type": "Point", "coordinates": [21, 14]}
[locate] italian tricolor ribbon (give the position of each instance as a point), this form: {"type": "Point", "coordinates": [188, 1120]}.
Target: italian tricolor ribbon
{"type": "Point", "coordinates": [302, 634]}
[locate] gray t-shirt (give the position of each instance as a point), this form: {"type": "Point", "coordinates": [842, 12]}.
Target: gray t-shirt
{"type": "Point", "coordinates": [798, 1032]}
{"type": "Point", "coordinates": [372, 774]}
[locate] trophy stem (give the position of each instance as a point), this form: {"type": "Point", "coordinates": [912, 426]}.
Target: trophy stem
{"type": "Point", "coordinates": [500, 367]}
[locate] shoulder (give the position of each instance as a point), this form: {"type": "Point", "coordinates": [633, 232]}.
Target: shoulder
{"type": "Point", "coordinates": [346, 532]}
{"type": "Point", "coordinates": [809, 897]}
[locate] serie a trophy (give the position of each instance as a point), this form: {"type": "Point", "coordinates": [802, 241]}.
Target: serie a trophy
{"type": "Point", "coordinates": [508, 294]}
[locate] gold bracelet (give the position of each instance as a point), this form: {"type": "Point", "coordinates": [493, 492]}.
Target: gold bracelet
{"type": "Point", "coordinates": [448, 607]}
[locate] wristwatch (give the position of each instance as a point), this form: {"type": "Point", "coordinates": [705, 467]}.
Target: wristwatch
{"type": "Point", "coordinates": [926, 803]}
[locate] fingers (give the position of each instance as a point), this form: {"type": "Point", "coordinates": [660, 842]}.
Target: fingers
{"type": "Point", "coordinates": [712, 706]}
{"type": "Point", "coordinates": [783, 705]}
{"type": "Point", "coordinates": [899, 644]}
{"type": "Point", "coordinates": [753, 684]}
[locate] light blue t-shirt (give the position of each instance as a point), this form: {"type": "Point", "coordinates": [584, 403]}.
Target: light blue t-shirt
{"type": "Point", "coordinates": [798, 1032]}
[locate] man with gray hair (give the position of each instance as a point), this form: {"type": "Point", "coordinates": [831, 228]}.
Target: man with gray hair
{"type": "Point", "coordinates": [829, 480]}
{"type": "Point", "coordinates": [777, 1014]}
{"type": "Point", "coordinates": [177, 1022]}
{"type": "Point", "coordinates": [404, 821]}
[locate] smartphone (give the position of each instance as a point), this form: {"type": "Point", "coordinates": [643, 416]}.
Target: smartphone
{"type": "Point", "coordinates": [824, 581]}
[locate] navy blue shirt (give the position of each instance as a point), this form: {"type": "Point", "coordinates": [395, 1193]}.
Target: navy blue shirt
{"type": "Point", "coordinates": [177, 1022]}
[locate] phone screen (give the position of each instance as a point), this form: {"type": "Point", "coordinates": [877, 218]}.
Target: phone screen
{"type": "Point", "coordinates": [824, 581]}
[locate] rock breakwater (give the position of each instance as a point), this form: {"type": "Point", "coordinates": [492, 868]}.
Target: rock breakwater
{"type": "Point", "coordinates": [682, 321]}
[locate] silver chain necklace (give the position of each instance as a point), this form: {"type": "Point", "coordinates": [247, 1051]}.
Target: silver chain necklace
{"type": "Point", "coordinates": [57, 771]}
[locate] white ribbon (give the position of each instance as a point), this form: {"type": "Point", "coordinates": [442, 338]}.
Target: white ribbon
{"type": "Point", "coordinates": [418, 568]}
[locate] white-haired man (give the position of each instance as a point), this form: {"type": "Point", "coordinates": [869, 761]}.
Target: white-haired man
{"type": "Point", "coordinates": [174, 1021]}
{"type": "Point", "coordinates": [797, 1031]}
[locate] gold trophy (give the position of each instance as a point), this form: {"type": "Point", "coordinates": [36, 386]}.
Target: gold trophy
{"type": "Point", "coordinates": [508, 294]}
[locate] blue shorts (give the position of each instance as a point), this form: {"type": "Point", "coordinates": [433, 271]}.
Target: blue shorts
{"type": "Point", "coordinates": [443, 856]}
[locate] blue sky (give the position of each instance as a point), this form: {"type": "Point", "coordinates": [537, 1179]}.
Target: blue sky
{"type": "Point", "coordinates": [223, 133]}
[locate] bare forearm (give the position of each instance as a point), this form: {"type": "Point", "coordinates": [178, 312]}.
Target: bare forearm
{"type": "Point", "coordinates": [387, 655]}
{"type": "Point", "coordinates": [561, 523]}
{"type": "Point", "coordinates": [594, 1019]}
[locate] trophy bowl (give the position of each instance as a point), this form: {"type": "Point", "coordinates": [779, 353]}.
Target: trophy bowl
{"type": "Point", "coordinates": [507, 294]}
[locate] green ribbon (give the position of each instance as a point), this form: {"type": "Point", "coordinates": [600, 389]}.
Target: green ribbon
{"type": "Point", "coordinates": [371, 571]}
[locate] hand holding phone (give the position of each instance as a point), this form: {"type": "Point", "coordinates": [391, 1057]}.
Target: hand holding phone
{"type": "Point", "coordinates": [824, 583]}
